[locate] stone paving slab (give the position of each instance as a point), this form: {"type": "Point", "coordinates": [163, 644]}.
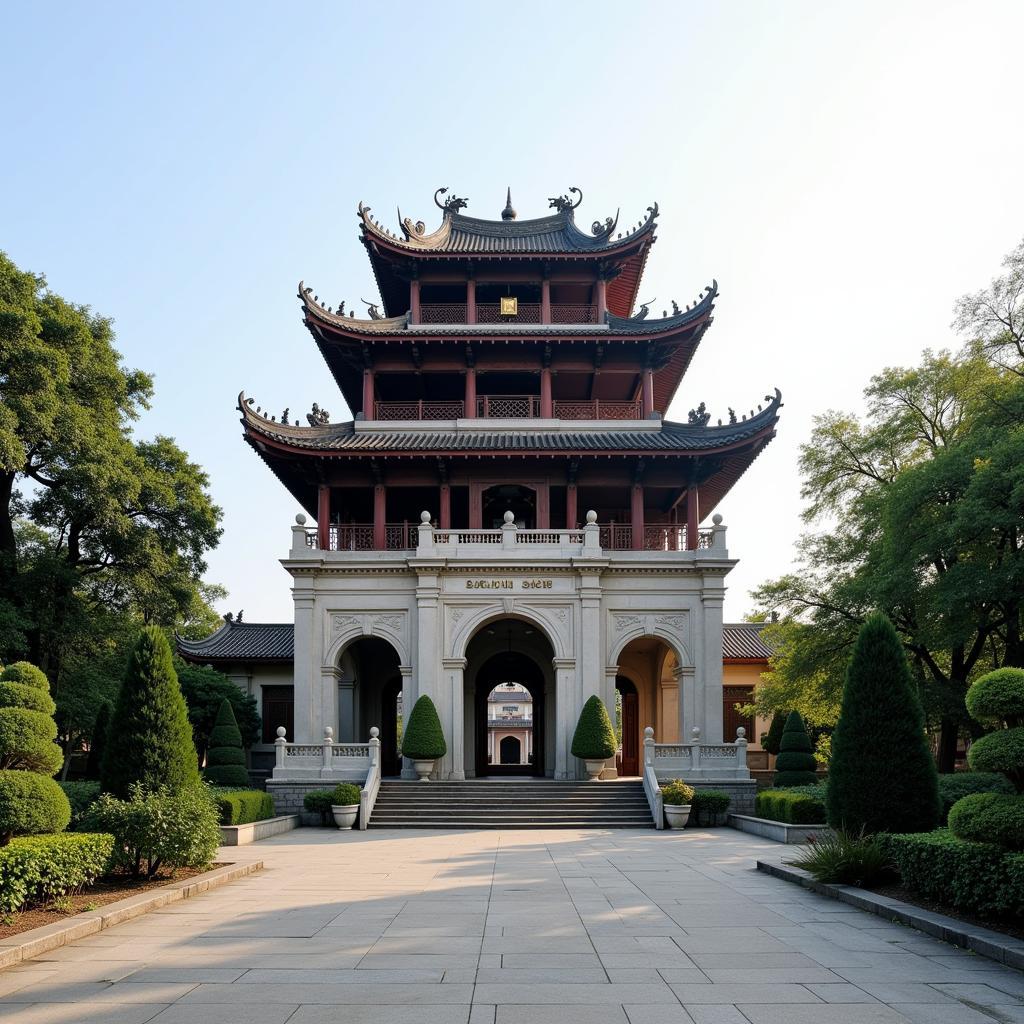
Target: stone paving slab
{"type": "Point", "coordinates": [510, 927]}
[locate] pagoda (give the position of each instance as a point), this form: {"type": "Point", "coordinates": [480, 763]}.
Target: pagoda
{"type": "Point", "coordinates": [508, 503]}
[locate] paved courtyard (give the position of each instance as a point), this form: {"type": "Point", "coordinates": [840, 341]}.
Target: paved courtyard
{"type": "Point", "coordinates": [622, 927]}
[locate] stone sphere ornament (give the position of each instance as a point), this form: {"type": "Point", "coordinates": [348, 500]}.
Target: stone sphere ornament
{"type": "Point", "coordinates": [300, 519]}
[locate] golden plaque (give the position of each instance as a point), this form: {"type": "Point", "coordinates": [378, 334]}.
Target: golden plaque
{"type": "Point", "coordinates": [509, 305]}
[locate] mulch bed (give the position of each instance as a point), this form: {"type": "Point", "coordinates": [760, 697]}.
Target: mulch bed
{"type": "Point", "coordinates": [106, 890]}
{"type": "Point", "coordinates": [1008, 926]}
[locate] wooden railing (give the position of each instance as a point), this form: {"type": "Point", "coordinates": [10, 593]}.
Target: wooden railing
{"type": "Point", "coordinates": [359, 537]}
{"type": "Point", "coordinates": [490, 313]}
{"type": "Point", "coordinates": [519, 407]}
{"type": "Point", "coordinates": [418, 410]}
{"type": "Point", "coordinates": [597, 410]}
{"type": "Point", "coordinates": [506, 406]}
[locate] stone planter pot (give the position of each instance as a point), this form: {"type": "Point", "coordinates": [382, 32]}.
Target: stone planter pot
{"type": "Point", "coordinates": [677, 815]}
{"type": "Point", "coordinates": [423, 769]}
{"type": "Point", "coordinates": [345, 815]}
{"type": "Point", "coordinates": [594, 769]}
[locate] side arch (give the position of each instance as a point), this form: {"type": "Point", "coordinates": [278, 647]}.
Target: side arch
{"type": "Point", "coordinates": [360, 630]}
{"type": "Point", "coordinates": [674, 644]}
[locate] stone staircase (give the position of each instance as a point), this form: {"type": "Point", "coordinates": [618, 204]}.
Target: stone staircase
{"type": "Point", "coordinates": [498, 803]}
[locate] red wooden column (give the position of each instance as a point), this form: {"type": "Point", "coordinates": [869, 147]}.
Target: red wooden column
{"type": "Point", "coordinates": [637, 516]}
{"type": "Point", "coordinates": [379, 515]}
{"type": "Point", "coordinates": [545, 301]}
{"type": "Point", "coordinates": [544, 506]}
{"type": "Point", "coordinates": [471, 300]}
{"type": "Point", "coordinates": [647, 382]}
{"type": "Point", "coordinates": [692, 516]}
{"type": "Point", "coordinates": [445, 511]}
{"type": "Point", "coordinates": [470, 411]}
{"type": "Point", "coordinates": [601, 296]}
{"type": "Point", "coordinates": [476, 506]}
{"type": "Point", "coordinates": [414, 300]}
{"type": "Point", "coordinates": [368, 395]}
{"type": "Point", "coordinates": [546, 405]}
{"type": "Point", "coordinates": [323, 517]}
{"type": "Point", "coordinates": [570, 506]}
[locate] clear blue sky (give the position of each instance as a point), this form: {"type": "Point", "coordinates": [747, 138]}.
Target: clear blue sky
{"type": "Point", "coordinates": [844, 170]}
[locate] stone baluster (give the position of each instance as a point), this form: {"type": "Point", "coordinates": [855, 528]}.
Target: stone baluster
{"type": "Point", "coordinates": [299, 547]}
{"type": "Point", "coordinates": [328, 744]}
{"type": "Point", "coordinates": [718, 535]}
{"type": "Point", "coordinates": [508, 532]}
{"type": "Point", "coordinates": [649, 747]}
{"type": "Point", "coordinates": [425, 540]}
{"type": "Point", "coordinates": [592, 535]}
{"type": "Point", "coordinates": [280, 746]}
{"type": "Point", "coordinates": [374, 746]}
{"type": "Point", "coordinates": [695, 749]}
{"type": "Point", "coordinates": [741, 747]}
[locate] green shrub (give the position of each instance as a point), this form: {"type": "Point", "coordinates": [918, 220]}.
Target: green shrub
{"type": "Point", "coordinates": [150, 738]}
{"type": "Point", "coordinates": [98, 742]}
{"type": "Point", "coordinates": [225, 759]}
{"type": "Point", "coordinates": [319, 801]}
{"type": "Point", "coordinates": [792, 807]}
{"type": "Point", "coordinates": [961, 784]}
{"type": "Point", "coordinates": [344, 794]}
{"type": "Point", "coordinates": [594, 739]}
{"type": "Point", "coordinates": [243, 806]}
{"type": "Point", "coordinates": [708, 804]}
{"type": "Point", "coordinates": [998, 697]}
{"type": "Point", "coordinates": [844, 860]}
{"type": "Point", "coordinates": [817, 790]}
{"type": "Point", "coordinates": [1001, 751]}
{"type": "Point", "coordinates": [989, 818]}
{"type": "Point", "coordinates": [795, 765]}
{"type": "Point", "coordinates": [882, 775]}
{"type": "Point", "coordinates": [81, 796]}
{"type": "Point", "coordinates": [979, 877]}
{"type": "Point", "coordinates": [34, 868]}
{"type": "Point", "coordinates": [424, 738]}
{"type": "Point", "coordinates": [675, 793]}
{"type": "Point", "coordinates": [772, 739]}
{"type": "Point", "coordinates": [30, 804]}
{"type": "Point", "coordinates": [158, 828]}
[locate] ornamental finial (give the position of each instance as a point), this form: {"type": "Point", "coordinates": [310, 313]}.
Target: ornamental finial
{"type": "Point", "coordinates": [509, 212]}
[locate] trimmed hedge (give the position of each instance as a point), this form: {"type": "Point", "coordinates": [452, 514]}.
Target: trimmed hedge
{"type": "Point", "coordinates": [594, 739]}
{"type": "Point", "coordinates": [31, 804]}
{"type": "Point", "coordinates": [36, 868]}
{"type": "Point", "coordinates": [319, 801]}
{"type": "Point", "coordinates": [794, 808]}
{"type": "Point", "coordinates": [423, 739]}
{"type": "Point", "coordinates": [244, 806]}
{"type": "Point", "coordinates": [989, 818]}
{"type": "Point", "coordinates": [707, 804]}
{"type": "Point", "coordinates": [979, 877]}
{"type": "Point", "coordinates": [961, 784]}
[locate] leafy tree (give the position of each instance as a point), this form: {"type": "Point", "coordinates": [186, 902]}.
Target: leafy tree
{"type": "Point", "coordinates": [107, 522]}
{"type": "Point", "coordinates": [98, 743]}
{"type": "Point", "coordinates": [30, 801]}
{"type": "Point", "coordinates": [204, 690]}
{"type": "Point", "coordinates": [150, 739]}
{"type": "Point", "coordinates": [594, 738]}
{"type": "Point", "coordinates": [795, 765]}
{"type": "Point", "coordinates": [225, 763]}
{"type": "Point", "coordinates": [882, 776]}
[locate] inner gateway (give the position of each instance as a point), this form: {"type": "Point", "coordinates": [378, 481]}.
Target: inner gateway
{"type": "Point", "coordinates": [509, 695]}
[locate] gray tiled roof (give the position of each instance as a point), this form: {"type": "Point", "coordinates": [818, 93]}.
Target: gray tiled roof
{"type": "Point", "coordinates": [743, 640]}
{"type": "Point", "coordinates": [243, 641]}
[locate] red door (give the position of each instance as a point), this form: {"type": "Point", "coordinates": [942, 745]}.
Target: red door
{"type": "Point", "coordinates": [629, 762]}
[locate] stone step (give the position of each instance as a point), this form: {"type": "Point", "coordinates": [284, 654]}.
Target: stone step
{"type": "Point", "coordinates": [524, 823]}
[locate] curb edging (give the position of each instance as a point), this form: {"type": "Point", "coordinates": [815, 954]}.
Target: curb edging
{"type": "Point", "coordinates": [51, 936]}
{"type": "Point", "coordinates": [1004, 949]}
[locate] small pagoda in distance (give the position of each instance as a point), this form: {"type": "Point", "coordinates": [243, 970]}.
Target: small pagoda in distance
{"type": "Point", "coordinates": [507, 368]}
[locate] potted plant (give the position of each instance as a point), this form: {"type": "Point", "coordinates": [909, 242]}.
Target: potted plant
{"type": "Point", "coordinates": [594, 739]}
{"type": "Point", "coordinates": [710, 807]}
{"type": "Point", "coordinates": [423, 740]}
{"type": "Point", "coordinates": [345, 804]}
{"type": "Point", "coordinates": [677, 799]}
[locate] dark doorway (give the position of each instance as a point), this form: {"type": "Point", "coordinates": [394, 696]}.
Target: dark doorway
{"type": "Point", "coordinates": [376, 698]}
{"type": "Point", "coordinates": [520, 501]}
{"type": "Point", "coordinates": [510, 750]}
{"type": "Point", "coordinates": [629, 723]}
{"type": "Point", "coordinates": [500, 669]}
{"type": "Point", "coordinates": [391, 728]}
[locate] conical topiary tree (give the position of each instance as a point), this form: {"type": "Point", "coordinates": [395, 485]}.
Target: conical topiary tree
{"type": "Point", "coordinates": [225, 758]}
{"type": "Point", "coordinates": [594, 738]}
{"type": "Point", "coordinates": [98, 742]}
{"type": "Point", "coordinates": [795, 765]}
{"type": "Point", "coordinates": [150, 740]}
{"type": "Point", "coordinates": [30, 800]}
{"type": "Point", "coordinates": [424, 739]}
{"type": "Point", "coordinates": [882, 775]}
{"type": "Point", "coordinates": [772, 739]}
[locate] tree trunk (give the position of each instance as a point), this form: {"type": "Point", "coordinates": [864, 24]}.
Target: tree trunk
{"type": "Point", "coordinates": [8, 546]}
{"type": "Point", "coordinates": [948, 738]}
{"type": "Point", "coordinates": [1014, 654]}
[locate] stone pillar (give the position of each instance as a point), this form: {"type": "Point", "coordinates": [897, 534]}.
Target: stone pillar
{"type": "Point", "coordinates": [547, 410]}
{"type": "Point", "coordinates": [454, 669]}
{"type": "Point", "coordinates": [590, 675]}
{"type": "Point", "coordinates": [369, 412]}
{"type": "Point", "coordinates": [428, 661]}
{"type": "Point", "coordinates": [709, 664]}
{"type": "Point", "coordinates": [379, 515]}
{"type": "Point", "coordinates": [611, 770]}
{"type": "Point", "coordinates": [636, 495]}
{"type": "Point", "coordinates": [691, 702]}
{"type": "Point", "coordinates": [308, 727]}
{"type": "Point", "coordinates": [330, 677]}
{"type": "Point", "coordinates": [323, 517]}
{"type": "Point", "coordinates": [566, 713]}
{"type": "Point", "coordinates": [470, 403]}
{"type": "Point", "coordinates": [692, 517]}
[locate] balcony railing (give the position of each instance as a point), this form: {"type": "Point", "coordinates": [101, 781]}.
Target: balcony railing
{"type": "Point", "coordinates": [490, 313]}
{"type": "Point", "coordinates": [507, 407]}
{"type": "Point", "coordinates": [619, 537]}
{"type": "Point", "coordinates": [359, 537]}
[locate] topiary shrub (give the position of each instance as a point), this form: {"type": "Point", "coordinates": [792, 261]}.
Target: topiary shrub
{"type": "Point", "coordinates": [882, 775]}
{"type": "Point", "coordinates": [675, 793]}
{"type": "Point", "coordinates": [795, 765]}
{"type": "Point", "coordinates": [319, 801]}
{"type": "Point", "coordinates": [225, 759]}
{"type": "Point", "coordinates": [244, 806]}
{"type": "Point", "coordinates": [791, 806]}
{"type": "Point", "coordinates": [998, 698]}
{"type": "Point", "coordinates": [344, 794]}
{"type": "Point", "coordinates": [424, 739]}
{"type": "Point", "coordinates": [150, 738]}
{"type": "Point", "coordinates": [594, 739]}
{"type": "Point", "coordinates": [960, 784]}
{"type": "Point", "coordinates": [771, 739]}
{"type": "Point", "coordinates": [36, 868]}
{"type": "Point", "coordinates": [989, 818]}
{"type": "Point", "coordinates": [30, 800]}
{"type": "Point", "coordinates": [98, 743]}
{"type": "Point", "coordinates": [1001, 751]}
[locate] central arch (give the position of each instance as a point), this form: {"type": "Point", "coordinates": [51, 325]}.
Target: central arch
{"type": "Point", "coordinates": [510, 659]}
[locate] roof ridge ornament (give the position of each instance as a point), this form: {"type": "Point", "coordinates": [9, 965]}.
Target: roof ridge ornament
{"type": "Point", "coordinates": [563, 204]}
{"type": "Point", "coordinates": [452, 204]}
{"type": "Point", "coordinates": [509, 212]}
